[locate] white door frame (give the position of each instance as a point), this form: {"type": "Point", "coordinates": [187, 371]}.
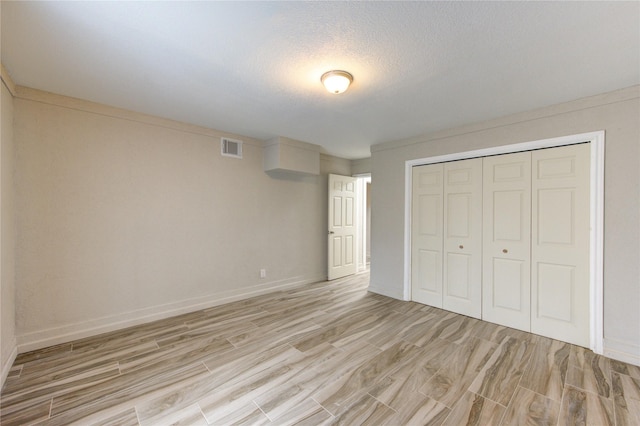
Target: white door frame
{"type": "Point", "coordinates": [361, 203]}
{"type": "Point", "coordinates": [596, 235]}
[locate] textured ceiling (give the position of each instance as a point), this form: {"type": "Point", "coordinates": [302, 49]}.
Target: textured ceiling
{"type": "Point", "coordinates": [254, 68]}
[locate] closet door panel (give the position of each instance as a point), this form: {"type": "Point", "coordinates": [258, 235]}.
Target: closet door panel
{"type": "Point", "coordinates": [426, 235]}
{"type": "Point", "coordinates": [560, 246]}
{"type": "Point", "coordinates": [462, 277]}
{"type": "Point", "coordinates": [506, 268]}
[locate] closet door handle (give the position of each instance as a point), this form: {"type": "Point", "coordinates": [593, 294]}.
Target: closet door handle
{"type": "Point", "coordinates": [461, 246]}
{"type": "Point", "coordinates": [505, 251]}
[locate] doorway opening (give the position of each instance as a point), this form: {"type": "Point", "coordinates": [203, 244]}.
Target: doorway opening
{"type": "Point", "coordinates": [349, 225]}
{"type": "Point", "coordinates": [363, 196]}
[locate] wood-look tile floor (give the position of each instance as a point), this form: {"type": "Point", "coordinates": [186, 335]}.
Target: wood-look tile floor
{"type": "Point", "coordinates": [321, 354]}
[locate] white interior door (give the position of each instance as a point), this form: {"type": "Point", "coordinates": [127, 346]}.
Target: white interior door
{"type": "Point", "coordinates": [462, 260]}
{"type": "Point", "coordinates": [560, 243]}
{"type": "Point", "coordinates": [342, 226]}
{"type": "Point", "coordinates": [426, 234]}
{"type": "Point", "coordinates": [506, 282]}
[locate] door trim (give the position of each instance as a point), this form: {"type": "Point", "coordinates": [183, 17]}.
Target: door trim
{"type": "Point", "coordinates": [596, 235]}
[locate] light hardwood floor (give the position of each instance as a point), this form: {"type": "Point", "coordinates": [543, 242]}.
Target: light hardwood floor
{"type": "Point", "coordinates": [321, 354]}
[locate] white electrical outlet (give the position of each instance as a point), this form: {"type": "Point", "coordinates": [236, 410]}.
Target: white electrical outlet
{"type": "Point", "coordinates": [263, 273]}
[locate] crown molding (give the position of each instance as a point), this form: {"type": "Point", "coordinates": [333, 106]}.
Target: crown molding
{"type": "Point", "coordinates": [35, 95]}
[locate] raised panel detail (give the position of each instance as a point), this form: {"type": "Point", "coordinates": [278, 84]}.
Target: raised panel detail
{"type": "Point", "coordinates": [458, 215]}
{"type": "Point", "coordinates": [506, 288]}
{"type": "Point", "coordinates": [556, 215]}
{"type": "Point", "coordinates": [337, 251]}
{"type": "Point", "coordinates": [508, 172]}
{"type": "Point", "coordinates": [554, 168]}
{"type": "Point", "coordinates": [507, 215]}
{"type": "Point", "coordinates": [428, 267]}
{"type": "Point", "coordinates": [349, 211]}
{"type": "Point", "coordinates": [337, 186]}
{"type": "Point", "coordinates": [427, 180]}
{"type": "Point", "coordinates": [429, 218]}
{"type": "Point", "coordinates": [350, 187]}
{"type": "Point", "coordinates": [458, 275]}
{"type": "Point", "coordinates": [555, 291]}
{"type": "Point", "coordinates": [348, 249]}
{"type": "Point", "coordinates": [459, 177]}
{"type": "Point", "coordinates": [337, 211]}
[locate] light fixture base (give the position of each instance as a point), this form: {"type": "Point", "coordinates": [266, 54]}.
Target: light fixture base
{"type": "Point", "coordinates": [336, 81]}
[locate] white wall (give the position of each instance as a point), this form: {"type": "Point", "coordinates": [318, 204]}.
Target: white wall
{"type": "Point", "coordinates": [618, 114]}
{"type": "Point", "coordinates": [125, 218]}
{"type": "Point", "coordinates": [7, 234]}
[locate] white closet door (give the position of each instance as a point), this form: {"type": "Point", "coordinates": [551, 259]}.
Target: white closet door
{"type": "Point", "coordinates": [560, 243]}
{"type": "Point", "coordinates": [426, 235]}
{"type": "Point", "coordinates": [462, 272]}
{"type": "Point", "coordinates": [506, 288]}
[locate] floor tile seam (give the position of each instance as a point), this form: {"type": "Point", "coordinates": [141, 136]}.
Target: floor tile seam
{"type": "Point", "coordinates": [613, 370]}
{"type": "Point", "coordinates": [492, 400]}
{"type": "Point", "coordinates": [202, 412]}
{"type": "Point", "coordinates": [28, 404]}
{"type": "Point", "coordinates": [458, 401]}
{"type": "Point", "coordinates": [126, 403]}
{"type": "Point", "coordinates": [72, 409]}
{"type": "Point", "coordinates": [205, 366]}
{"type": "Point", "coordinates": [592, 369]}
{"type": "Point", "coordinates": [71, 364]}
{"type": "Point", "coordinates": [50, 408]}
{"type": "Point", "coordinates": [504, 412]}
{"type": "Point", "coordinates": [628, 396]}
{"type": "Point", "coordinates": [156, 363]}
{"type": "Point", "coordinates": [126, 389]}
{"type": "Point", "coordinates": [254, 402]}
{"type": "Point", "coordinates": [231, 343]}
{"type": "Point", "coordinates": [450, 407]}
{"type": "Point", "coordinates": [182, 403]}
{"type": "Point", "coordinates": [579, 389]}
{"type": "Point", "coordinates": [50, 388]}
{"type": "Point", "coordinates": [524, 369]}
{"type": "Point", "coordinates": [135, 410]}
{"type": "Point", "coordinates": [611, 373]}
{"type": "Point", "coordinates": [40, 420]}
{"type": "Point", "coordinates": [543, 395]}
{"type": "Point", "coordinates": [562, 396]}
{"type": "Point", "coordinates": [576, 387]}
{"type": "Point", "coordinates": [379, 401]}
{"type": "Point", "coordinates": [118, 408]}
{"type": "Point", "coordinates": [333, 417]}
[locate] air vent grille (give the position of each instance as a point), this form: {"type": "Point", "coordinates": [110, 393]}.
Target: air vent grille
{"type": "Point", "coordinates": [231, 147]}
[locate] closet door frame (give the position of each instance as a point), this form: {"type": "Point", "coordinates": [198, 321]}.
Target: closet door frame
{"type": "Point", "coordinates": [596, 213]}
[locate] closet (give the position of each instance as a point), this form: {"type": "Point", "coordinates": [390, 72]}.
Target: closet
{"type": "Point", "coordinates": [506, 239]}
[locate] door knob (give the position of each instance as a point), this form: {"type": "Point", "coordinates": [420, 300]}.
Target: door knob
{"type": "Point", "coordinates": [505, 251]}
{"type": "Point", "coordinates": [461, 246]}
{"type": "Point", "coordinates": [331, 232]}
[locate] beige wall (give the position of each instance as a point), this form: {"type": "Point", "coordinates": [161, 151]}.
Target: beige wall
{"type": "Point", "coordinates": [7, 234]}
{"type": "Point", "coordinates": [618, 114]}
{"type": "Point", "coordinates": [125, 218]}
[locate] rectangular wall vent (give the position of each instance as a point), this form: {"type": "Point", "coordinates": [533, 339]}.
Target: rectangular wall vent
{"type": "Point", "coordinates": [231, 147]}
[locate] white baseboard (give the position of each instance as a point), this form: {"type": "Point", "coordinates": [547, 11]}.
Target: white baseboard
{"type": "Point", "coordinates": [9, 361]}
{"type": "Point", "coordinates": [67, 333]}
{"type": "Point", "coordinates": [622, 351]}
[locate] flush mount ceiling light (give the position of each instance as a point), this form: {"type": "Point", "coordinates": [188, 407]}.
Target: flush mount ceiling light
{"type": "Point", "coordinates": [336, 81]}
